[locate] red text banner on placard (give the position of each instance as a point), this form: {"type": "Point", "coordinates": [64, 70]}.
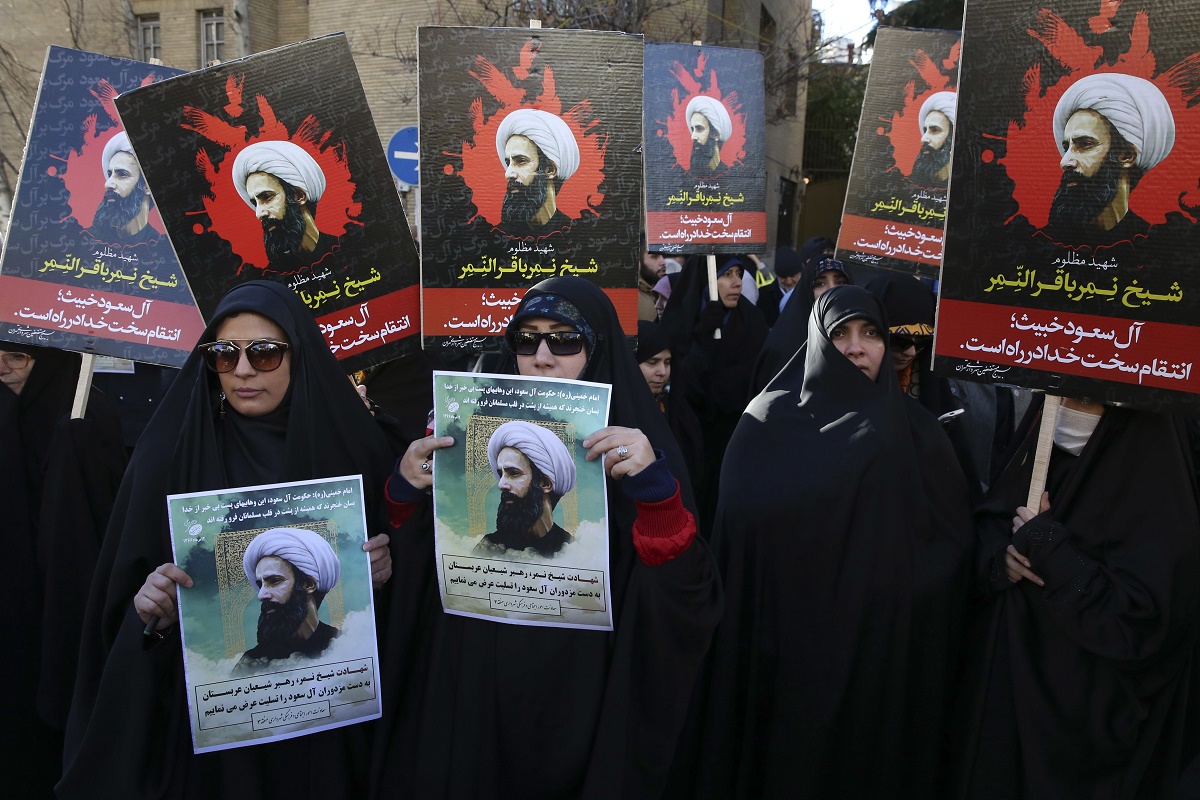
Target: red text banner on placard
{"type": "Point", "coordinates": [891, 239]}
{"type": "Point", "coordinates": [1156, 354]}
{"type": "Point", "coordinates": [376, 322]}
{"type": "Point", "coordinates": [701, 227]}
{"type": "Point", "coordinates": [93, 312]}
{"type": "Point", "coordinates": [486, 312]}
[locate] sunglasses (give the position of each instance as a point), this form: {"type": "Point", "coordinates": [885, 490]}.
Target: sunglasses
{"type": "Point", "coordinates": [903, 343]}
{"type": "Point", "coordinates": [223, 355]}
{"type": "Point", "coordinates": [561, 343]}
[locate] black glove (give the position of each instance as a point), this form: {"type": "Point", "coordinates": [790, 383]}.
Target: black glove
{"type": "Point", "coordinates": [711, 317]}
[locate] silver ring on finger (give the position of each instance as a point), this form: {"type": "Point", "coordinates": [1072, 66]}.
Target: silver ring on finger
{"type": "Point", "coordinates": [425, 466]}
{"type": "Point", "coordinates": [622, 452]}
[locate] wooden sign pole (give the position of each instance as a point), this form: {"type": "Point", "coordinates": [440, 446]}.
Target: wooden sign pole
{"type": "Point", "coordinates": [84, 386]}
{"type": "Point", "coordinates": [1041, 459]}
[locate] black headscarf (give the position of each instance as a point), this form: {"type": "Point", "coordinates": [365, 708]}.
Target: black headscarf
{"type": "Point", "coordinates": [790, 331]}
{"type": "Point", "coordinates": [843, 538]}
{"type": "Point", "coordinates": [1087, 687]}
{"type": "Point", "coordinates": [129, 730]}
{"type": "Point", "coordinates": [491, 710]}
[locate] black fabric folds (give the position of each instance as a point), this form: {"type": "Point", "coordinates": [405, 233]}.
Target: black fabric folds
{"type": "Point", "coordinates": [59, 477]}
{"type": "Point", "coordinates": [1087, 687]}
{"type": "Point", "coordinates": [129, 730]}
{"type": "Point", "coordinates": [477, 709]}
{"type": "Point", "coordinates": [843, 537]}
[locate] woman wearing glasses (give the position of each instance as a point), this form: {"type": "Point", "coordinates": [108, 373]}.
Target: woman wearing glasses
{"type": "Point", "coordinates": [488, 710]}
{"type": "Point", "coordinates": [261, 400]}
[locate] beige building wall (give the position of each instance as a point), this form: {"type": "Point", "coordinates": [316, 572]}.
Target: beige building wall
{"type": "Point", "coordinates": [27, 28]}
{"type": "Point", "coordinates": [382, 37]}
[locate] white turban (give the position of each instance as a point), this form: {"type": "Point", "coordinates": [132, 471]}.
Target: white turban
{"type": "Point", "coordinates": [1134, 106]}
{"type": "Point", "coordinates": [545, 130]}
{"type": "Point", "coordinates": [944, 102]}
{"type": "Point", "coordinates": [119, 143]}
{"type": "Point", "coordinates": [303, 549]}
{"type": "Point", "coordinates": [545, 450]}
{"type": "Point", "coordinates": [286, 161]}
{"type": "Point", "coordinates": [714, 111]}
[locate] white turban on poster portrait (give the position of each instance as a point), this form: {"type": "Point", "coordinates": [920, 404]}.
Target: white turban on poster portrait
{"type": "Point", "coordinates": [714, 111]}
{"type": "Point", "coordinates": [286, 161]}
{"type": "Point", "coordinates": [1134, 106]}
{"type": "Point", "coordinates": [305, 550]}
{"type": "Point", "coordinates": [119, 143]}
{"type": "Point", "coordinates": [945, 102]}
{"type": "Point", "coordinates": [543, 449]}
{"type": "Point", "coordinates": [548, 131]}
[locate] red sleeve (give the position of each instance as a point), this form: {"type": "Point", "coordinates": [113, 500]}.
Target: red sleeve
{"type": "Point", "coordinates": [398, 511]}
{"type": "Point", "coordinates": [663, 531]}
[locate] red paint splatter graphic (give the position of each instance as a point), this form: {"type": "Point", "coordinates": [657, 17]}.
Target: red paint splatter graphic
{"type": "Point", "coordinates": [483, 171]}
{"type": "Point", "coordinates": [84, 172]}
{"type": "Point", "coordinates": [904, 128]}
{"type": "Point", "coordinates": [702, 81]}
{"type": "Point", "coordinates": [229, 216]}
{"type": "Point", "coordinates": [1032, 157]}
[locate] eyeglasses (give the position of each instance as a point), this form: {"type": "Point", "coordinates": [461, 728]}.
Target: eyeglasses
{"type": "Point", "coordinates": [15, 360]}
{"type": "Point", "coordinates": [561, 343]}
{"type": "Point", "coordinates": [264, 355]}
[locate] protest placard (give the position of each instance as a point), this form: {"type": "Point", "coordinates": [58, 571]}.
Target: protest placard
{"type": "Point", "coordinates": [530, 169]}
{"type": "Point", "coordinates": [895, 207]}
{"type": "Point", "coordinates": [86, 264]}
{"type": "Point", "coordinates": [1071, 236]}
{"type": "Point", "coordinates": [278, 626]}
{"type": "Point", "coordinates": [521, 519]}
{"type": "Point", "coordinates": [270, 167]}
{"type": "Point", "coordinates": [706, 174]}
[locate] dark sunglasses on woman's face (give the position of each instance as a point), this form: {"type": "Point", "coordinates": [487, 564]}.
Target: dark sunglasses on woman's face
{"type": "Point", "coordinates": [902, 343]}
{"type": "Point", "coordinates": [561, 343]}
{"type": "Point", "coordinates": [264, 355]}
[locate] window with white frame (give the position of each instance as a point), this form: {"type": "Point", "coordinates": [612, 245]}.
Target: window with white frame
{"type": "Point", "coordinates": [212, 36]}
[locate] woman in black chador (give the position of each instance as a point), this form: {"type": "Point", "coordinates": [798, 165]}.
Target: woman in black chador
{"type": "Point", "coordinates": [844, 539]}
{"type": "Point", "coordinates": [278, 408]}
{"type": "Point", "coordinates": [1083, 673]}
{"type": "Point", "coordinates": [481, 709]}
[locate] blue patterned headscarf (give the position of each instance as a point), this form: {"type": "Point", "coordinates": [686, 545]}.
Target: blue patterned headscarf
{"type": "Point", "coordinates": [551, 306]}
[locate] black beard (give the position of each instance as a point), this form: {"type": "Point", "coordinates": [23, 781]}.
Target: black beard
{"type": "Point", "coordinates": [521, 202]}
{"type": "Point", "coordinates": [702, 155]}
{"type": "Point", "coordinates": [513, 520]}
{"type": "Point", "coordinates": [284, 240]}
{"type": "Point", "coordinates": [930, 162]}
{"type": "Point", "coordinates": [277, 630]}
{"type": "Point", "coordinates": [1079, 205]}
{"type": "Point", "coordinates": [118, 213]}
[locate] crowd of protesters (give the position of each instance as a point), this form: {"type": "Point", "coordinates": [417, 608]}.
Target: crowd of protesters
{"type": "Point", "coordinates": [826, 582]}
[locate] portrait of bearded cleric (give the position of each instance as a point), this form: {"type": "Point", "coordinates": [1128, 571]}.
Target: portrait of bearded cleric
{"type": "Point", "coordinates": [533, 470]}
{"type": "Point", "coordinates": [293, 569]}
{"type": "Point", "coordinates": [123, 214]}
{"type": "Point", "coordinates": [1111, 129]}
{"type": "Point", "coordinates": [282, 182]}
{"type": "Point", "coordinates": [710, 126]}
{"type": "Point", "coordinates": [539, 153]}
{"type": "Point", "coordinates": [936, 123]}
